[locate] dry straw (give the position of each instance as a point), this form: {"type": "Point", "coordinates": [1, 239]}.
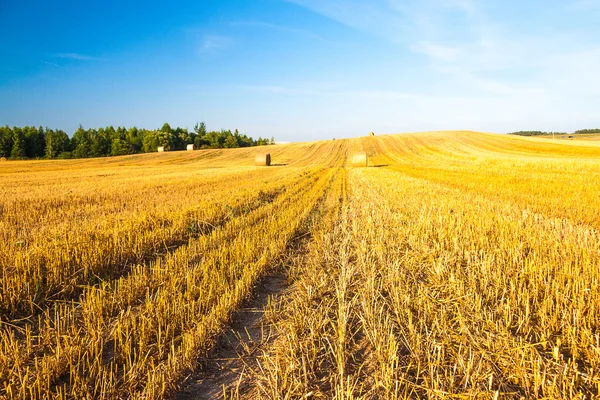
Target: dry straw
{"type": "Point", "coordinates": [262, 160]}
{"type": "Point", "coordinates": [161, 149]}
{"type": "Point", "coordinates": [359, 159]}
{"type": "Point", "coordinates": [3, 159]}
{"type": "Point", "coordinates": [190, 147]}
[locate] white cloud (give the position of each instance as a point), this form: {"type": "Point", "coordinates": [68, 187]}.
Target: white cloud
{"type": "Point", "coordinates": [75, 56]}
{"type": "Point", "coordinates": [479, 45]}
{"type": "Point", "coordinates": [50, 63]}
{"type": "Point", "coordinates": [213, 43]}
{"type": "Point", "coordinates": [467, 6]}
{"type": "Point", "coordinates": [588, 5]}
{"type": "Point", "coordinates": [317, 90]}
{"type": "Point", "coordinates": [374, 17]}
{"type": "Point", "coordinates": [281, 28]}
{"type": "Point", "coordinates": [479, 64]}
{"type": "Point", "coordinates": [446, 53]}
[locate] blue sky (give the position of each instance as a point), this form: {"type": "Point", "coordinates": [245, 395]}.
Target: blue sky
{"type": "Point", "coordinates": [302, 69]}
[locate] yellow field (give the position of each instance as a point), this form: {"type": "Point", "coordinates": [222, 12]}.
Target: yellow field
{"type": "Point", "coordinates": [458, 265]}
{"type": "Point", "coordinates": [585, 136]}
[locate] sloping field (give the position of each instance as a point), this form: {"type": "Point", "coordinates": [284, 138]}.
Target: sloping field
{"type": "Point", "coordinates": [593, 137]}
{"type": "Point", "coordinates": [585, 136]}
{"type": "Point", "coordinates": [457, 265]}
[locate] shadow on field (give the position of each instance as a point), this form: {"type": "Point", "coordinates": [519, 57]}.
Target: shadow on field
{"type": "Point", "coordinates": [278, 165]}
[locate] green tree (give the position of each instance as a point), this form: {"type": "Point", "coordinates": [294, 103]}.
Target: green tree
{"type": "Point", "coordinates": [100, 141]}
{"type": "Point", "coordinates": [201, 142]}
{"type": "Point", "coordinates": [57, 142]}
{"type": "Point", "coordinates": [35, 141]}
{"type": "Point", "coordinates": [583, 131]}
{"type": "Point", "coordinates": [261, 142]}
{"type": "Point", "coordinates": [166, 128]}
{"type": "Point", "coordinates": [165, 139]}
{"type": "Point", "coordinates": [230, 142]}
{"type": "Point", "coordinates": [119, 147]}
{"type": "Point", "coordinates": [134, 138]}
{"type": "Point", "coordinates": [200, 129]}
{"type": "Point", "coordinates": [180, 138]}
{"type": "Point", "coordinates": [150, 141]}
{"type": "Point", "coordinates": [18, 148]}
{"type": "Point", "coordinates": [6, 141]}
{"type": "Point", "coordinates": [215, 139]}
{"type": "Point", "coordinates": [82, 143]}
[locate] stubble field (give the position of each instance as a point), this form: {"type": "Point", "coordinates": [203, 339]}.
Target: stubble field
{"type": "Point", "coordinates": [457, 265]}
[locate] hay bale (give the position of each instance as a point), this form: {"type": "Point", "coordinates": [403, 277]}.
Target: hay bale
{"type": "Point", "coordinates": [161, 149]}
{"type": "Point", "coordinates": [262, 160]}
{"type": "Point", "coordinates": [3, 159]}
{"type": "Point", "coordinates": [190, 147]}
{"type": "Point", "coordinates": [359, 159]}
{"type": "Point", "coordinates": [371, 133]}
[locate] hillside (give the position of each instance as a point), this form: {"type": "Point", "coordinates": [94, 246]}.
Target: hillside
{"type": "Point", "coordinates": [458, 264]}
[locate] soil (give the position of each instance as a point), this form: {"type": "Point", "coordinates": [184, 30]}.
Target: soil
{"type": "Point", "coordinates": [228, 365]}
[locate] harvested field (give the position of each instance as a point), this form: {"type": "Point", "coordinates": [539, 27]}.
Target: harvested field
{"type": "Point", "coordinates": [360, 160]}
{"type": "Point", "coordinates": [466, 266]}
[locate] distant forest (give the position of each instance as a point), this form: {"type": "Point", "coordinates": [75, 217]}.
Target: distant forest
{"type": "Point", "coordinates": [30, 142]}
{"type": "Point", "coordinates": [540, 133]}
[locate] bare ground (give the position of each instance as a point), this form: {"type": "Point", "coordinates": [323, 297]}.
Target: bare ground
{"type": "Point", "coordinates": [227, 371]}
{"type": "Point", "coordinates": [236, 351]}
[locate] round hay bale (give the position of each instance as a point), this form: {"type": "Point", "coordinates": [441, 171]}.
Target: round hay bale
{"type": "Point", "coordinates": [3, 159]}
{"type": "Point", "coordinates": [161, 149]}
{"type": "Point", "coordinates": [262, 160]}
{"type": "Point", "coordinates": [190, 147]}
{"type": "Point", "coordinates": [359, 159]}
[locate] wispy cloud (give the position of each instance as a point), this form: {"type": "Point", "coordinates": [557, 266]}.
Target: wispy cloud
{"type": "Point", "coordinates": [438, 51]}
{"type": "Point", "coordinates": [316, 90]}
{"type": "Point", "coordinates": [75, 56]}
{"type": "Point", "coordinates": [586, 4]}
{"type": "Point", "coordinates": [467, 6]}
{"type": "Point", "coordinates": [464, 40]}
{"type": "Point", "coordinates": [213, 43]}
{"type": "Point", "coordinates": [282, 28]}
{"type": "Point", "coordinates": [50, 63]}
{"type": "Point", "coordinates": [286, 90]}
{"type": "Point", "coordinates": [375, 17]}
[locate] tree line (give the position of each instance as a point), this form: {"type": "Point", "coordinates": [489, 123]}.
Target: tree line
{"type": "Point", "coordinates": [584, 131]}
{"type": "Point", "coordinates": [540, 133]}
{"type": "Point", "coordinates": [536, 133]}
{"type": "Point", "coordinates": [30, 142]}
